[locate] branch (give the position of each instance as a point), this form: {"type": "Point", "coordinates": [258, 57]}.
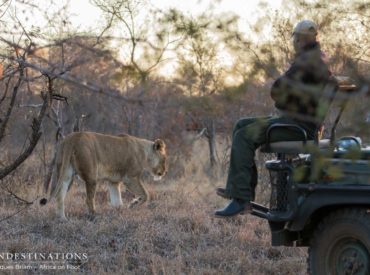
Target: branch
{"type": "Point", "coordinates": [30, 105]}
{"type": "Point", "coordinates": [201, 133]}
{"type": "Point", "coordinates": [9, 74]}
{"type": "Point", "coordinates": [35, 136]}
{"type": "Point", "coordinates": [19, 211]}
{"type": "Point", "coordinates": [59, 134]}
{"type": "Point", "coordinates": [63, 75]}
{"type": "Point", "coordinates": [11, 193]}
{"type": "Point", "coordinates": [110, 23]}
{"type": "Point", "coordinates": [6, 90]}
{"type": "Point", "coordinates": [4, 11]}
{"type": "Point", "coordinates": [11, 104]}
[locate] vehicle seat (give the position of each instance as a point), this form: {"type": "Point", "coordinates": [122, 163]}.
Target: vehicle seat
{"type": "Point", "coordinates": [294, 147]}
{"type": "Point", "coordinates": [306, 145]}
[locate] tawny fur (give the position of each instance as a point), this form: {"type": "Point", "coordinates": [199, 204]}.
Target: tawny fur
{"type": "Point", "coordinates": [96, 157]}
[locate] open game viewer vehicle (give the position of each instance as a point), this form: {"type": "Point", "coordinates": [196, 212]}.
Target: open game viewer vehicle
{"type": "Point", "coordinates": [320, 198]}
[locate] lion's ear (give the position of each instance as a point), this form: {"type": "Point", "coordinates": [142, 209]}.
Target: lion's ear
{"type": "Point", "coordinates": [159, 145]}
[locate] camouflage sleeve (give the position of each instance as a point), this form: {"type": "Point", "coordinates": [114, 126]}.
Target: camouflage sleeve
{"type": "Point", "coordinates": [281, 87]}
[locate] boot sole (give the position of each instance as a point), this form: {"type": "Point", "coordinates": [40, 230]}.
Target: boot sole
{"type": "Point", "coordinates": [244, 212]}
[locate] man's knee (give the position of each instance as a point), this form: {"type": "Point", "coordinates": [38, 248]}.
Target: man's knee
{"type": "Point", "coordinates": [239, 136]}
{"type": "Point", "coordinates": [237, 126]}
{"type": "Point", "coordinates": [242, 123]}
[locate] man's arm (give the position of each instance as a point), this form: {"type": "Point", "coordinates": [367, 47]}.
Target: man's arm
{"type": "Point", "coordinates": [280, 88]}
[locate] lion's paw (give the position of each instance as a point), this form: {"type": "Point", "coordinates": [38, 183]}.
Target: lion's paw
{"type": "Point", "coordinates": [136, 201]}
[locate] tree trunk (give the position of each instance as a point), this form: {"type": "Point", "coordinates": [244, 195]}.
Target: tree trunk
{"type": "Point", "coordinates": [211, 137]}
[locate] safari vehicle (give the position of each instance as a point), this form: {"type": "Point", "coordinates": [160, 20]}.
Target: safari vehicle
{"type": "Point", "coordinates": [320, 198]}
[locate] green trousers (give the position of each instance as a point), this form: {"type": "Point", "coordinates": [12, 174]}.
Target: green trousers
{"type": "Point", "coordinates": [248, 135]}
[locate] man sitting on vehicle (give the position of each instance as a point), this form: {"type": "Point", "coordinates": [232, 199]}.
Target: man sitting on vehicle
{"type": "Point", "coordinates": [298, 95]}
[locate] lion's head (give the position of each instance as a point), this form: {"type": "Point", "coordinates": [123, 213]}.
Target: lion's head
{"type": "Point", "coordinates": [158, 161]}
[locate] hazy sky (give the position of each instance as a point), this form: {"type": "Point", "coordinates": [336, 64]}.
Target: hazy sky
{"type": "Point", "coordinates": [87, 15]}
{"type": "Point", "coordinates": [84, 16]}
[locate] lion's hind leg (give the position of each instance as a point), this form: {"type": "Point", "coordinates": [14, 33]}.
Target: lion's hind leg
{"type": "Point", "coordinates": [86, 167]}
{"type": "Point", "coordinates": [135, 186]}
{"type": "Point", "coordinates": [90, 184]}
{"type": "Point", "coordinates": [66, 181]}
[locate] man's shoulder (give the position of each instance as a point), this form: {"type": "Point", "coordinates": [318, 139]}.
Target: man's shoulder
{"type": "Point", "coordinates": [309, 58]}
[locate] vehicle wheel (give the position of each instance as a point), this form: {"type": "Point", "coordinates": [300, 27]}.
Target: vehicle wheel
{"type": "Point", "coordinates": [341, 244]}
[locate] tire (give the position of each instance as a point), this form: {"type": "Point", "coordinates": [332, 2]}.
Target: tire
{"type": "Point", "coordinates": [341, 244]}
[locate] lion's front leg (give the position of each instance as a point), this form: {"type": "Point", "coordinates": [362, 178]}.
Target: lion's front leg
{"type": "Point", "coordinates": [115, 194]}
{"type": "Point", "coordinates": [135, 186]}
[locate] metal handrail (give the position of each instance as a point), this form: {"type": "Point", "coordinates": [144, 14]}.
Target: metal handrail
{"type": "Point", "coordinates": [282, 125]}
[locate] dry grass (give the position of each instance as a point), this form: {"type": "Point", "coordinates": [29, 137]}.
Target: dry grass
{"type": "Point", "coordinates": [173, 234]}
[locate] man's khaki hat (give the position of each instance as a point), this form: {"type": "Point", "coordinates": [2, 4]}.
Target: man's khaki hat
{"type": "Point", "coordinates": [306, 27]}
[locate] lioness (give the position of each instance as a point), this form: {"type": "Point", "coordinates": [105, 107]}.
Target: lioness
{"type": "Point", "coordinates": [97, 157]}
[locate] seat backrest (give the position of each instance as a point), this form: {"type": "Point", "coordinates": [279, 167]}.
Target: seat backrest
{"type": "Point", "coordinates": [294, 147]}
{"type": "Point", "coordinates": [326, 100]}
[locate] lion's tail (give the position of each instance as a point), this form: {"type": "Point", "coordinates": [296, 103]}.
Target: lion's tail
{"type": "Point", "coordinates": [62, 162]}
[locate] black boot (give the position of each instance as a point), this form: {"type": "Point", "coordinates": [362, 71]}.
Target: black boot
{"type": "Point", "coordinates": [235, 207]}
